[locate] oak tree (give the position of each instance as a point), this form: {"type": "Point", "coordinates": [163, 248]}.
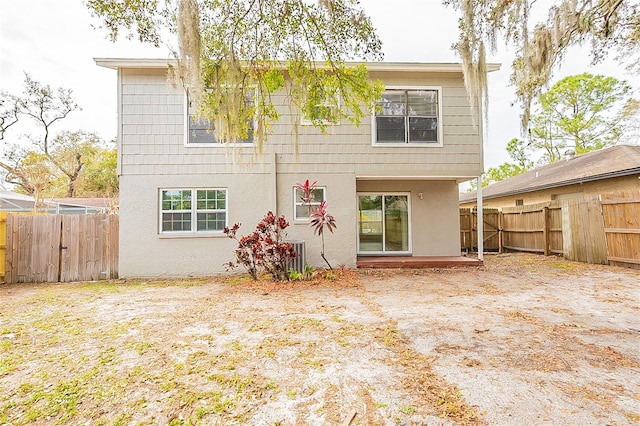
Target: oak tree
{"type": "Point", "coordinates": [46, 164]}
{"type": "Point", "coordinates": [229, 51]}
{"type": "Point", "coordinates": [610, 27]}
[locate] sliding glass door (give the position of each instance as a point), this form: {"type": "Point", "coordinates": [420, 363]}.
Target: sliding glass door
{"type": "Point", "coordinates": [383, 223]}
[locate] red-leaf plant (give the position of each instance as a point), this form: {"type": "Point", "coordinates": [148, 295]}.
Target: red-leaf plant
{"type": "Point", "coordinates": [319, 219]}
{"type": "Point", "coordinates": [264, 248]}
{"type": "Point", "coordinates": [307, 192]}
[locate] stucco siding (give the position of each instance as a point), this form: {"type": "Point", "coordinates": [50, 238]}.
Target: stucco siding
{"type": "Point", "coordinates": [144, 251]}
{"type": "Point", "coordinates": [435, 219]}
{"type": "Point", "coordinates": [340, 246]}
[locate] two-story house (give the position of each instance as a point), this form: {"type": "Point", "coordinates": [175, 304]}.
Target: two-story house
{"type": "Point", "coordinates": [391, 183]}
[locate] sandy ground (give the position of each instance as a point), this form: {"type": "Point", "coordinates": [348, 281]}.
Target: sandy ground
{"type": "Point", "coordinates": [524, 340]}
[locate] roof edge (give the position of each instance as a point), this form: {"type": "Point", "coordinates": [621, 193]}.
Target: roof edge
{"type": "Point", "coordinates": [116, 63]}
{"type": "Point", "coordinates": [610, 175]}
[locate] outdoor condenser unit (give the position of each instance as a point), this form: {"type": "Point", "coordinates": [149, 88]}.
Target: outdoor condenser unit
{"type": "Point", "coordinates": [300, 260]}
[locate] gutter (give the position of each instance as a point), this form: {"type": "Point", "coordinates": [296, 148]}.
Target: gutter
{"type": "Point", "coordinates": [115, 63]}
{"type": "Point", "coordinates": [609, 175]}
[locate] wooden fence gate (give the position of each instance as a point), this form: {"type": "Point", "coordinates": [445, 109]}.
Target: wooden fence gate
{"type": "Point", "coordinates": [621, 213]}
{"type": "Point", "coordinates": [469, 229]}
{"type": "Point", "coordinates": [61, 248]}
{"type": "Point", "coordinates": [592, 229]}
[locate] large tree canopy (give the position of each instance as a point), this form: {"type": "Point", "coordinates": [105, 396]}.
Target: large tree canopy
{"type": "Point", "coordinates": [228, 49]}
{"type": "Point", "coordinates": [225, 47]}
{"type": "Point", "coordinates": [52, 165]}
{"type": "Point", "coordinates": [609, 26]}
{"type": "Point", "coordinates": [581, 112]}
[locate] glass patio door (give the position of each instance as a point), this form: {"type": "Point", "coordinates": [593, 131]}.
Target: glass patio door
{"type": "Point", "coordinates": [383, 223]}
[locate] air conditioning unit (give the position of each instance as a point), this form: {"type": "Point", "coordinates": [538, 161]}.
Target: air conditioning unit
{"type": "Point", "coordinates": [299, 262]}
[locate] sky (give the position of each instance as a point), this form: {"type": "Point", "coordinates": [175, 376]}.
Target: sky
{"type": "Point", "coordinates": [55, 42]}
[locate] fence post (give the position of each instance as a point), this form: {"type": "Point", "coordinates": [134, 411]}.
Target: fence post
{"type": "Point", "coordinates": [471, 229]}
{"type": "Point", "coordinates": [545, 229]}
{"type": "Point", "coordinates": [500, 235]}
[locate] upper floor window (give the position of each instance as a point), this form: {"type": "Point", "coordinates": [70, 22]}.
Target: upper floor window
{"type": "Point", "coordinates": [193, 210]}
{"type": "Point", "coordinates": [324, 113]}
{"type": "Point", "coordinates": [201, 131]}
{"type": "Point", "coordinates": [408, 116]}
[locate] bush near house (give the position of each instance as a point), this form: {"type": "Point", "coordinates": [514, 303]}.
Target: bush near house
{"type": "Point", "coordinates": [265, 248]}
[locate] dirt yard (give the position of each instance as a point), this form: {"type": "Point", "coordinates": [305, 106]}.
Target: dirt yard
{"type": "Point", "coordinates": [524, 340]}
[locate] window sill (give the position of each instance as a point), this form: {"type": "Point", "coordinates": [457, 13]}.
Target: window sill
{"type": "Point", "coordinates": [408, 145]}
{"type": "Point", "coordinates": [309, 123]}
{"type": "Point", "coordinates": [384, 253]}
{"type": "Point", "coordinates": [219, 145]}
{"type": "Point", "coordinates": [177, 235]}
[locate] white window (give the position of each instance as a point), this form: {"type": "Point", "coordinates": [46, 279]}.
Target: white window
{"type": "Point", "coordinates": [302, 209]}
{"type": "Point", "coordinates": [324, 113]}
{"type": "Point", "coordinates": [193, 210]}
{"type": "Point", "coordinates": [201, 131]}
{"type": "Point", "coordinates": [409, 116]}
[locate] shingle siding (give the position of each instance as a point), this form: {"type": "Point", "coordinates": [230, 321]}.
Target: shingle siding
{"type": "Point", "coordinates": [153, 156]}
{"type": "Point", "coordinates": [152, 129]}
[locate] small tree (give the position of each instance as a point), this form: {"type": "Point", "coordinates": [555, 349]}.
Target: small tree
{"type": "Point", "coordinates": [247, 251]}
{"type": "Point", "coordinates": [307, 189]}
{"type": "Point", "coordinates": [319, 219]}
{"type": "Point", "coordinates": [265, 248]}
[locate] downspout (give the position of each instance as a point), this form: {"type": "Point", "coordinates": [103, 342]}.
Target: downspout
{"type": "Point", "coordinates": [119, 129]}
{"type": "Point", "coordinates": [274, 183]}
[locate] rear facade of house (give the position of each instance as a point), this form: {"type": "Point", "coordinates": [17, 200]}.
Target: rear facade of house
{"type": "Point", "coordinates": [391, 183]}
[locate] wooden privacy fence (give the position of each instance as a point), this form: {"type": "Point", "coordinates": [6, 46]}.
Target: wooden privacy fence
{"type": "Point", "coordinates": [621, 213]}
{"type": "Point", "coordinates": [534, 228]}
{"type": "Point", "coordinates": [3, 246]}
{"type": "Point", "coordinates": [61, 248]}
{"type": "Point", "coordinates": [469, 229]}
{"type": "Point", "coordinates": [591, 229]}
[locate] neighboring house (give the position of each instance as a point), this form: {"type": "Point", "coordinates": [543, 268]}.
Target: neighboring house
{"type": "Point", "coordinates": [607, 170]}
{"type": "Point", "coordinates": [84, 205]}
{"type": "Point", "coordinates": [12, 202]}
{"type": "Point", "coordinates": [392, 183]}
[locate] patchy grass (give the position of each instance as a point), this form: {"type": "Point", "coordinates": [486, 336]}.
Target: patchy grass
{"type": "Point", "coordinates": [233, 351]}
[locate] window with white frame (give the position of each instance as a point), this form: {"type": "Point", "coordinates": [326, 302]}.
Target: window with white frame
{"type": "Point", "coordinates": [408, 116]}
{"type": "Point", "coordinates": [325, 113]}
{"type": "Point", "coordinates": [193, 210]}
{"type": "Point", "coordinates": [201, 131]}
{"type": "Point", "coordinates": [303, 209]}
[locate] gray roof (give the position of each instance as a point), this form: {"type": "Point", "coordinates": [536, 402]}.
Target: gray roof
{"type": "Point", "coordinates": [82, 202]}
{"type": "Point", "coordinates": [619, 160]}
{"type": "Point", "coordinates": [14, 202]}
{"type": "Point", "coordinates": [11, 201]}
